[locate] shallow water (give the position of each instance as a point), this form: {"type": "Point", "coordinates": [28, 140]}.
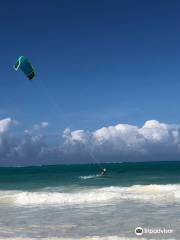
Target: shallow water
{"type": "Point", "coordinates": [75, 202]}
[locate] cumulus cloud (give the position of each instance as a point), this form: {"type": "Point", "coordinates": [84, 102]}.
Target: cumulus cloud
{"type": "Point", "coordinates": [152, 141]}
{"type": "Point", "coordinates": [5, 124]}
{"type": "Point", "coordinates": [37, 127]}
{"type": "Point", "coordinates": [122, 142]}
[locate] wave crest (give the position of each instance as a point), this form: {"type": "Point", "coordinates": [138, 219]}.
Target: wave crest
{"type": "Point", "coordinates": [145, 193]}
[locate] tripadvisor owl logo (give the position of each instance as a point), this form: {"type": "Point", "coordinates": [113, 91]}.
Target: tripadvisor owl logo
{"type": "Point", "coordinates": [139, 231]}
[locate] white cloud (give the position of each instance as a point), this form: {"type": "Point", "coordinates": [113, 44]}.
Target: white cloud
{"type": "Point", "coordinates": [44, 124]}
{"type": "Point", "coordinates": [122, 142]}
{"type": "Point", "coordinates": [5, 124]}
{"type": "Point", "coordinates": [37, 127]}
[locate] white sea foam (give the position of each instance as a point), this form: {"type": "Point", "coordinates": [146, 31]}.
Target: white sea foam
{"type": "Point", "coordinates": [89, 176]}
{"type": "Point", "coordinates": [144, 193]}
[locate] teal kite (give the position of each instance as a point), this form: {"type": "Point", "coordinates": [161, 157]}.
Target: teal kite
{"type": "Point", "coordinates": [24, 64]}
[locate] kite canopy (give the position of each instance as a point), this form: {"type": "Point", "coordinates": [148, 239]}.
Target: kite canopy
{"type": "Point", "coordinates": [24, 64]}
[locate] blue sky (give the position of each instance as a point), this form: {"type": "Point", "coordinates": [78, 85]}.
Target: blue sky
{"type": "Point", "coordinates": [98, 62]}
{"type": "Point", "coordinates": [105, 67]}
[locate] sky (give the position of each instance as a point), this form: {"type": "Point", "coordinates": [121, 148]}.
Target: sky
{"type": "Point", "coordinates": [99, 64]}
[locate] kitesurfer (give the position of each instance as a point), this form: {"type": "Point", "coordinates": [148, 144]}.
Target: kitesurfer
{"type": "Point", "coordinates": [104, 171]}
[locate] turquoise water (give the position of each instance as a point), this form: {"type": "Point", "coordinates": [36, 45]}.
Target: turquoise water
{"type": "Point", "coordinates": [119, 174]}
{"type": "Point", "coordinates": [76, 202]}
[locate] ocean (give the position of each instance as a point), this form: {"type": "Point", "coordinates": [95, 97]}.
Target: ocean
{"type": "Point", "coordinates": [76, 202]}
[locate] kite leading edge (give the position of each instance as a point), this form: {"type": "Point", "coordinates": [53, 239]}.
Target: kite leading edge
{"type": "Point", "coordinates": [24, 64]}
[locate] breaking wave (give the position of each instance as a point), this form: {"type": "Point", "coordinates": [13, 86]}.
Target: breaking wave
{"type": "Point", "coordinates": [144, 193]}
